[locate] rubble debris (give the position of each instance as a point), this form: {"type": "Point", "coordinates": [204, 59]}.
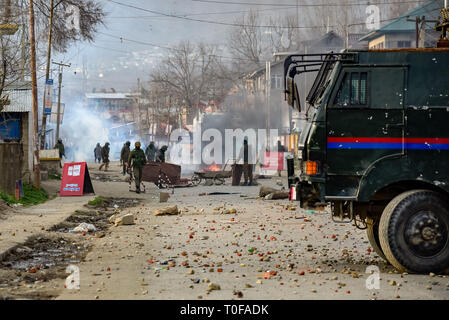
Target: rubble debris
{"type": "Point", "coordinates": [213, 286]}
{"type": "Point", "coordinates": [278, 195]}
{"type": "Point", "coordinates": [265, 191]}
{"type": "Point", "coordinates": [163, 197]}
{"type": "Point", "coordinates": [84, 227]}
{"type": "Point", "coordinates": [124, 220]}
{"type": "Point", "coordinates": [273, 194]}
{"type": "Point", "coordinates": [167, 211]}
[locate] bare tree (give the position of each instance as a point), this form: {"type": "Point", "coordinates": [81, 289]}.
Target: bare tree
{"type": "Point", "coordinates": [14, 49]}
{"type": "Point", "coordinates": [247, 42]}
{"type": "Point", "coordinates": [283, 32]}
{"type": "Point", "coordinates": [10, 49]}
{"type": "Point", "coordinates": [190, 74]}
{"type": "Point", "coordinates": [90, 14]}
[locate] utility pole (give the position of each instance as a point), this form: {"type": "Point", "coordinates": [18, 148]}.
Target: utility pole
{"type": "Point", "coordinates": [47, 74]}
{"type": "Point", "coordinates": [58, 118]}
{"type": "Point", "coordinates": [37, 173]}
{"type": "Point", "coordinates": [168, 124]}
{"type": "Point", "coordinates": [268, 97]}
{"type": "Point", "coordinates": [421, 29]}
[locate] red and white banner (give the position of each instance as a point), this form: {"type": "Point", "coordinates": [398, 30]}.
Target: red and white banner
{"type": "Point", "coordinates": [76, 180]}
{"type": "Point", "coordinates": [274, 161]}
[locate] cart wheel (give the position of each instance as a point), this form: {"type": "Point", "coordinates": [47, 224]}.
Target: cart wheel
{"type": "Point", "coordinates": [219, 180]}
{"type": "Point", "coordinates": [196, 180]}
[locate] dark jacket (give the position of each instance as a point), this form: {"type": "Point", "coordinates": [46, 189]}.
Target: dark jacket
{"type": "Point", "coordinates": [60, 147]}
{"type": "Point", "coordinates": [124, 154]}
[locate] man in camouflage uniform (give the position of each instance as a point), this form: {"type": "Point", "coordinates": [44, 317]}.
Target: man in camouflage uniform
{"type": "Point", "coordinates": [137, 160]}
{"type": "Point", "coordinates": [105, 157]}
{"type": "Point", "coordinates": [124, 155]}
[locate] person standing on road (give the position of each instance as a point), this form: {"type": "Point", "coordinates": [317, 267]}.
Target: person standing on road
{"type": "Point", "coordinates": [60, 146]}
{"type": "Point", "coordinates": [105, 157]}
{"type": "Point", "coordinates": [97, 153]}
{"type": "Point", "coordinates": [137, 160]}
{"type": "Point", "coordinates": [150, 152]}
{"type": "Point", "coordinates": [124, 155]}
{"type": "Point", "coordinates": [247, 157]}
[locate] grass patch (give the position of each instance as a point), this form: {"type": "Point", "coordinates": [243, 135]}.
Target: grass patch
{"type": "Point", "coordinates": [97, 202]}
{"type": "Point", "coordinates": [32, 196]}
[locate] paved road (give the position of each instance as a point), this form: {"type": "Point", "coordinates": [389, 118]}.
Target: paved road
{"type": "Point", "coordinates": [266, 250]}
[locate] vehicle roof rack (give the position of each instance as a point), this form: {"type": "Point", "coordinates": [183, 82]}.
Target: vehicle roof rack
{"type": "Point", "coordinates": [304, 63]}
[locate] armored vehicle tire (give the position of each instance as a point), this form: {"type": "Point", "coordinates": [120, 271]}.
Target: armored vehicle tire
{"type": "Point", "coordinates": [414, 232]}
{"type": "Point", "coordinates": [373, 236]}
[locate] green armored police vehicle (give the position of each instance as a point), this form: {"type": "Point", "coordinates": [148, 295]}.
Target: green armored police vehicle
{"type": "Point", "coordinates": [376, 148]}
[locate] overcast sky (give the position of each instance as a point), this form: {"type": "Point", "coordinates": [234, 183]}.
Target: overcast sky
{"type": "Point", "coordinates": [112, 63]}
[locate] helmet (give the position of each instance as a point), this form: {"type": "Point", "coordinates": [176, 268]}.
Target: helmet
{"type": "Point", "coordinates": [107, 144]}
{"type": "Point", "coordinates": [138, 145]}
{"type": "Point", "coordinates": [128, 143]}
{"type": "Point", "coordinates": [59, 140]}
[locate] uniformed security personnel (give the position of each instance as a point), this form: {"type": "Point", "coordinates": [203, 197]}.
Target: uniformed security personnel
{"type": "Point", "coordinates": [160, 157]}
{"type": "Point", "coordinates": [105, 157]}
{"type": "Point", "coordinates": [151, 152]}
{"type": "Point", "coordinates": [137, 160]}
{"type": "Point", "coordinates": [124, 155]}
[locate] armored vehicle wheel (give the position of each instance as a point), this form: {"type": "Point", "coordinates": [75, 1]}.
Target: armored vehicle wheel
{"type": "Point", "coordinates": [414, 232]}
{"type": "Point", "coordinates": [373, 236]}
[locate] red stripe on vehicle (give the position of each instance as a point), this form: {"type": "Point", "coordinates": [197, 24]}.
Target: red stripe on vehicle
{"type": "Point", "coordinates": [388, 140]}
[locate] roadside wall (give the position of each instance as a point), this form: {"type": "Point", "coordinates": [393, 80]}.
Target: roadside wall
{"type": "Point", "coordinates": [11, 162]}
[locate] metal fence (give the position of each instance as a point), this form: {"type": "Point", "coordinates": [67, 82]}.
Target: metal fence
{"type": "Point", "coordinates": [11, 162]}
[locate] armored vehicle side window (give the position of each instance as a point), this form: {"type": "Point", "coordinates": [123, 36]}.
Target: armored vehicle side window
{"type": "Point", "coordinates": [353, 90]}
{"type": "Point", "coordinates": [387, 87]}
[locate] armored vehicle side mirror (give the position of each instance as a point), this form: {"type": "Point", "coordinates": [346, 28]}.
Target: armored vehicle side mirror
{"type": "Point", "coordinates": [292, 94]}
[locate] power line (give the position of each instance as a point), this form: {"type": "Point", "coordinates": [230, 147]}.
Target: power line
{"type": "Point", "coordinates": [165, 47]}
{"type": "Point", "coordinates": [307, 5]}
{"type": "Point", "coordinates": [237, 24]}
{"type": "Point", "coordinates": [203, 14]}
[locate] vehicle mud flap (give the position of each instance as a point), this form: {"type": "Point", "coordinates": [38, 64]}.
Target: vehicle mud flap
{"type": "Point", "coordinates": [291, 172]}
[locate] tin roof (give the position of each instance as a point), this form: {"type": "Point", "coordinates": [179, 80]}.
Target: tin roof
{"type": "Point", "coordinates": [431, 10]}
{"type": "Point", "coordinates": [111, 95]}
{"type": "Point", "coordinates": [20, 97]}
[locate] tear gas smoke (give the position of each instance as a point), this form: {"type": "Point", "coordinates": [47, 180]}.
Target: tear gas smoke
{"type": "Point", "coordinates": [82, 129]}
